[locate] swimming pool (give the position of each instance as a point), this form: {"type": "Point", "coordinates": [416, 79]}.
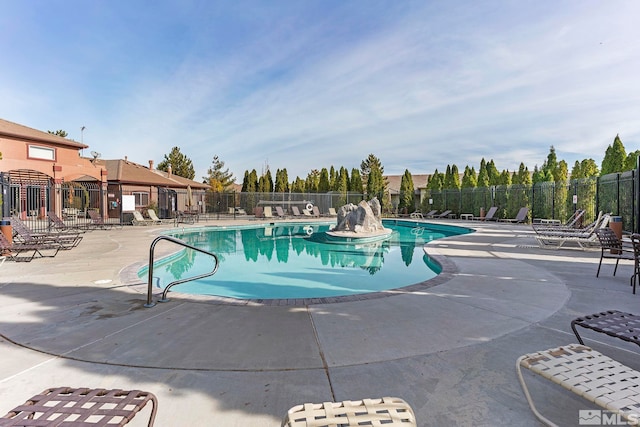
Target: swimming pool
{"type": "Point", "coordinates": [284, 261]}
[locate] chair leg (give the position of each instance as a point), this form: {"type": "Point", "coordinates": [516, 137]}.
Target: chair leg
{"type": "Point", "coordinates": [599, 265]}
{"type": "Point", "coordinates": [616, 267]}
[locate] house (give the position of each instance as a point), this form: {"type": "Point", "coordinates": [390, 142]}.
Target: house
{"type": "Point", "coordinates": [39, 173]}
{"type": "Point", "coordinates": [150, 187]}
{"type": "Point", "coordinates": [419, 187]}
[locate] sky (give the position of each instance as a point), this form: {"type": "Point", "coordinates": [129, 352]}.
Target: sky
{"type": "Point", "coordinates": [307, 84]}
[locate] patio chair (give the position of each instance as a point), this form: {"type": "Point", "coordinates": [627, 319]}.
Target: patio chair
{"type": "Point", "coordinates": [332, 212]}
{"type": "Point", "coordinates": [584, 237]}
{"type": "Point", "coordinates": [442, 215]}
{"type": "Point", "coordinates": [15, 251]}
{"type": "Point", "coordinates": [520, 217]}
{"type": "Point", "coordinates": [154, 217]}
{"type": "Point", "coordinates": [57, 224]}
{"type": "Point", "coordinates": [431, 214]}
{"type": "Point", "coordinates": [97, 221]}
{"type": "Point", "coordinates": [267, 212]}
{"type": "Point", "coordinates": [315, 211]}
{"type": "Point", "coordinates": [575, 222]}
{"type": "Point", "coordinates": [295, 211]}
{"type": "Point", "coordinates": [66, 240]}
{"type": "Point", "coordinates": [258, 212]}
{"type": "Point", "coordinates": [613, 248]}
{"type": "Point", "coordinates": [138, 219]}
{"type": "Point", "coordinates": [280, 212]}
{"type": "Point", "coordinates": [82, 407]}
{"type": "Point", "coordinates": [387, 411]}
{"type": "Point", "coordinates": [489, 216]}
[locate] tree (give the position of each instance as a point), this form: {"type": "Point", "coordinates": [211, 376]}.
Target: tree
{"type": "Point", "coordinates": [59, 132]}
{"type": "Point", "coordinates": [265, 183]}
{"type": "Point", "coordinates": [371, 162]}
{"type": "Point", "coordinates": [323, 184]}
{"type": "Point", "coordinates": [492, 173]}
{"type": "Point", "coordinates": [407, 193]}
{"type": "Point", "coordinates": [218, 178]}
{"type": "Point", "coordinates": [483, 174]}
{"type": "Point", "coordinates": [614, 158]}
{"type": "Point", "coordinates": [355, 184]}
{"type": "Point", "coordinates": [505, 178]}
{"type": "Point", "coordinates": [282, 181]}
{"type": "Point", "coordinates": [469, 179]}
{"type": "Point", "coordinates": [180, 164]}
{"type": "Point", "coordinates": [630, 162]}
{"type": "Point", "coordinates": [298, 185]}
{"type": "Point", "coordinates": [313, 179]}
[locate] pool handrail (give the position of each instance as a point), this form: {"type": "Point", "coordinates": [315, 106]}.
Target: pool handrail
{"type": "Point", "coordinates": [150, 302]}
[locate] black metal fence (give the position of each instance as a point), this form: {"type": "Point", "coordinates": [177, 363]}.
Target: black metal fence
{"type": "Point", "coordinates": [616, 193]}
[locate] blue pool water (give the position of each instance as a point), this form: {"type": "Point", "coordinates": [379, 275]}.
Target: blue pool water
{"type": "Point", "coordinates": [283, 261]}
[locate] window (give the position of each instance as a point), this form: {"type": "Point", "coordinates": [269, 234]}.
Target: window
{"type": "Point", "coordinates": [142, 199]}
{"type": "Point", "coordinates": [43, 153]}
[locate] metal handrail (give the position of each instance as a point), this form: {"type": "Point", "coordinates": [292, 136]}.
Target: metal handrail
{"type": "Point", "coordinates": [150, 302]}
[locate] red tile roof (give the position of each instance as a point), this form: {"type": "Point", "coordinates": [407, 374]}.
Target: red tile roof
{"type": "Point", "coordinates": [13, 130]}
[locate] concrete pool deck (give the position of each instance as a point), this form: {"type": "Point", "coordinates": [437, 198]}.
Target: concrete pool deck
{"type": "Point", "coordinates": [78, 320]}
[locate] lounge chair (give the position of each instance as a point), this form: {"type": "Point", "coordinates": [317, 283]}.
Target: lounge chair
{"type": "Point", "coordinates": [97, 221]}
{"type": "Point", "coordinates": [267, 212]}
{"type": "Point", "coordinates": [258, 212]}
{"type": "Point", "coordinates": [520, 217]}
{"type": "Point", "coordinates": [280, 212]}
{"type": "Point", "coordinates": [306, 212]}
{"type": "Point", "coordinates": [489, 216]}
{"type": "Point", "coordinates": [154, 217]}
{"type": "Point", "coordinates": [391, 411]}
{"type": "Point", "coordinates": [443, 214]}
{"type": "Point", "coordinates": [575, 222]}
{"type": "Point", "coordinates": [138, 219]}
{"type": "Point", "coordinates": [584, 237]}
{"type": "Point", "coordinates": [66, 240]}
{"type": "Point", "coordinates": [57, 224]}
{"type": "Point", "coordinates": [612, 248]}
{"type": "Point", "coordinates": [315, 211]}
{"type": "Point", "coordinates": [431, 214]}
{"type": "Point", "coordinates": [332, 212]}
{"type": "Point", "coordinates": [295, 211]}
{"type": "Point", "coordinates": [14, 251]}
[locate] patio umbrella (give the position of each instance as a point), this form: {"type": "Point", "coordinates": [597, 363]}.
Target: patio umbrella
{"type": "Point", "coordinates": [189, 196]}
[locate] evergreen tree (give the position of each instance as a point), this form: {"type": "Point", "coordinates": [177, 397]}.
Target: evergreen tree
{"type": "Point", "coordinates": [355, 184]}
{"type": "Point", "coordinates": [448, 179]}
{"type": "Point", "coordinates": [492, 173]}
{"type": "Point", "coordinates": [298, 185]}
{"type": "Point", "coordinates": [282, 181]}
{"type": "Point", "coordinates": [469, 179]}
{"type": "Point", "coordinates": [614, 158]}
{"type": "Point", "coordinates": [505, 178]}
{"type": "Point", "coordinates": [342, 182]}
{"type": "Point", "coordinates": [181, 165]}
{"type": "Point", "coordinates": [252, 182]}
{"type": "Point", "coordinates": [407, 193]}
{"type": "Point", "coordinates": [333, 178]}
{"type": "Point", "coordinates": [455, 177]}
{"type": "Point", "coordinates": [245, 181]}
{"type": "Point", "coordinates": [631, 162]}
{"type": "Point", "coordinates": [436, 181]}
{"type": "Point", "coordinates": [313, 179]}
{"type": "Point", "coordinates": [218, 178]}
{"type": "Point", "coordinates": [265, 183]}
{"type": "Point", "coordinates": [483, 175]}
{"type": "Point", "coordinates": [375, 184]}
{"type": "Point", "coordinates": [323, 184]}
{"type": "Point", "coordinates": [59, 132]}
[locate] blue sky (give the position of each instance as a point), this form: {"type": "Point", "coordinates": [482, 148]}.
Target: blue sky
{"type": "Point", "coordinates": [309, 84]}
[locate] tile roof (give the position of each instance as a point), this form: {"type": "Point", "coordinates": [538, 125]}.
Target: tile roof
{"type": "Point", "coordinates": [126, 172]}
{"type": "Point", "coordinates": [14, 130]}
{"type": "Point", "coordinates": [393, 181]}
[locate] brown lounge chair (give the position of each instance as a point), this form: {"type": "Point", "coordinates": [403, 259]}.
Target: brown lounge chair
{"type": "Point", "coordinates": [520, 217]}
{"type": "Point", "coordinates": [14, 251]}
{"type": "Point", "coordinates": [66, 240]}
{"type": "Point", "coordinates": [81, 407]}
{"type": "Point", "coordinates": [295, 211]}
{"type": "Point", "coordinates": [489, 216]}
{"type": "Point", "coordinates": [97, 221]}
{"type": "Point", "coordinates": [57, 224]}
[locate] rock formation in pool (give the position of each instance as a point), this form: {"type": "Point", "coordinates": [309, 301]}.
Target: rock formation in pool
{"type": "Point", "coordinates": [361, 219]}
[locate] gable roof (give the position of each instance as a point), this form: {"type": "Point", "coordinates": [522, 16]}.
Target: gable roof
{"type": "Point", "coordinates": [126, 172]}
{"type": "Point", "coordinates": [15, 131]}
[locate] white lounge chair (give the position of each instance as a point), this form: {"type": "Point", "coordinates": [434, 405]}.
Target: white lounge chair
{"type": "Point", "coordinates": [138, 219]}
{"type": "Point", "coordinates": [584, 238]}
